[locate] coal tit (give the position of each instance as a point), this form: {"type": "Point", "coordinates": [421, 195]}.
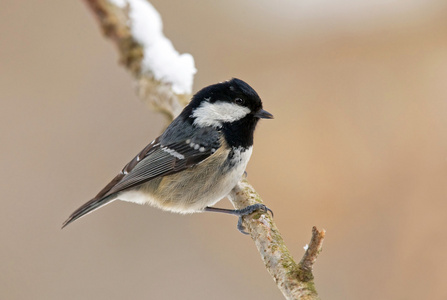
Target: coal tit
{"type": "Point", "coordinates": [197, 161]}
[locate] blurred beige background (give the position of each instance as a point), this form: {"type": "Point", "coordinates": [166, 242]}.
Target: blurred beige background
{"type": "Point", "coordinates": [358, 146]}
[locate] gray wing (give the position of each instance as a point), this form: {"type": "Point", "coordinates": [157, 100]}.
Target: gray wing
{"type": "Point", "coordinates": [168, 154]}
{"type": "Point", "coordinates": [159, 159]}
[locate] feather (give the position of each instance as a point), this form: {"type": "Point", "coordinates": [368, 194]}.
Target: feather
{"type": "Point", "coordinates": [155, 160]}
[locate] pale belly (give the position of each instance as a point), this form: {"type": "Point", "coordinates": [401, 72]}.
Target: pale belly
{"type": "Point", "coordinates": [193, 189]}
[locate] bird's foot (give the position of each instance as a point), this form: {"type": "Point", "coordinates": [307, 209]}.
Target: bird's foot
{"type": "Point", "coordinates": [241, 213]}
{"type": "Point", "coordinates": [248, 211]}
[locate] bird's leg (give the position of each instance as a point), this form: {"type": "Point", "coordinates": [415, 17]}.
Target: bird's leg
{"type": "Point", "coordinates": [240, 213]}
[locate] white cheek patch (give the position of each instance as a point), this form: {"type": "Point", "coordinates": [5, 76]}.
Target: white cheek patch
{"type": "Point", "coordinates": [214, 114]}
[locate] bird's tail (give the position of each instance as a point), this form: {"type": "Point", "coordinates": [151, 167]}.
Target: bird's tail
{"type": "Point", "coordinates": [88, 208]}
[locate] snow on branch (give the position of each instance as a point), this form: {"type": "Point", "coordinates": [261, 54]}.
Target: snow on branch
{"type": "Point", "coordinates": [164, 81]}
{"type": "Point", "coordinates": [159, 56]}
{"type": "Point", "coordinates": [164, 77]}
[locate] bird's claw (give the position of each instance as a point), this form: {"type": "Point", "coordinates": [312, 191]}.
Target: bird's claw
{"type": "Point", "coordinates": [248, 211]}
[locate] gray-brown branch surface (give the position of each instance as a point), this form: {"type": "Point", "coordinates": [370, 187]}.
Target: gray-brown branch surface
{"type": "Point", "coordinates": [295, 280]}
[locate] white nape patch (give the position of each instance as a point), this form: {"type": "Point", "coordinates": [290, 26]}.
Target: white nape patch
{"type": "Point", "coordinates": [173, 153]}
{"type": "Point", "coordinates": [214, 114]}
{"type": "Point", "coordinates": [160, 58]}
{"type": "Point", "coordinates": [306, 247]}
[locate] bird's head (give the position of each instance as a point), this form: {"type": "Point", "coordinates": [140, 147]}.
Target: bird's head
{"type": "Point", "coordinates": [226, 103]}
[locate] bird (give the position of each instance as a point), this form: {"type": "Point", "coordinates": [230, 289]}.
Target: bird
{"type": "Point", "coordinates": [197, 160]}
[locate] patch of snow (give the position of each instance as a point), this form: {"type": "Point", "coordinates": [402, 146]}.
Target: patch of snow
{"type": "Point", "coordinates": [160, 57]}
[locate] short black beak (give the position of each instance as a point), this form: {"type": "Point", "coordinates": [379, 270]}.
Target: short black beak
{"type": "Point", "coordinates": [263, 114]}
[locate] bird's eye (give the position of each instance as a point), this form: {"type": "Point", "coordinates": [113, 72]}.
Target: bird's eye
{"type": "Point", "coordinates": [239, 101]}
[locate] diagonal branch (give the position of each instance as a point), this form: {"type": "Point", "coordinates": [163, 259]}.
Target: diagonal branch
{"type": "Point", "coordinates": [121, 22]}
{"type": "Point", "coordinates": [164, 81]}
{"type": "Point", "coordinates": [294, 280]}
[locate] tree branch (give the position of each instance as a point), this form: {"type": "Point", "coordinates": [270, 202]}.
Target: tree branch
{"type": "Point", "coordinates": [135, 27]}
{"type": "Point", "coordinates": [116, 22]}
{"type": "Point", "coordinates": [294, 280]}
